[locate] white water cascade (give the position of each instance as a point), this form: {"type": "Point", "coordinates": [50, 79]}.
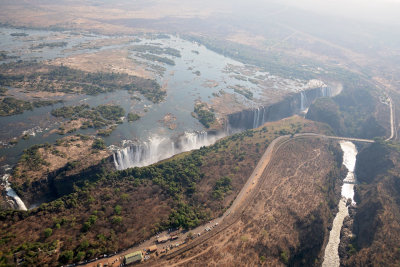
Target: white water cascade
{"type": "Point", "coordinates": [326, 91]}
{"type": "Point", "coordinates": [258, 114]}
{"type": "Point", "coordinates": [303, 101]}
{"type": "Point", "coordinates": [331, 257]}
{"type": "Point", "coordinates": [159, 148]}
{"type": "Point", "coordinates": [11, 193]}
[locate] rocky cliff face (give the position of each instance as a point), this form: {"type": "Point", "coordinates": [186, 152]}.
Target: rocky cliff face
{"type": "Point", "coordinates": [355, 112]}
{"type": "Point", "coordinates": [296, 103]}
{"type": "Point", "coordinates": [325, 110]}
{"type": "Point", "coordinates": [376, 225]}
{"type": "Point", "coordinates": [59, 183]}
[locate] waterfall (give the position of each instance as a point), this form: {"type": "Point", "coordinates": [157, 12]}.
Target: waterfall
{"type": "Point", "coordinates": [11, 193]}
{"type": "Point", "coordinates": [256, 119]}
{"type": "Point", "coordinates": [326, 91]}
{"type": "Point", "coordinates": [303, 101]}
{"type": "Point", "coordinates": [143, 154]}
{"type": "Point", "coordinates": [259, 117]}
{"type": "Point", "coordinates": [194, 140]}
{"type": "Point", "coordinates": [159, 148]}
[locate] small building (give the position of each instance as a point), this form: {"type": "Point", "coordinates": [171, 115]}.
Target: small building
{"type": "Point", "coordinates": [152, 249]}
{"type": "Point", "coordinates": [163, 239]}
{"type": "Point", "coordinates": [134, 257]}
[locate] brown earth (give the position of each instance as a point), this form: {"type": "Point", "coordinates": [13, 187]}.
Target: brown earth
{"type": "Point", "coordinates": [286, 222]}
{"type": "Point", "coordinates": [91, 16]}
{"type": "Point", "coordinates": [226, 103]}
{"type": "Point", "coordinates": [169, 121]}
{"type": "Point", "coordinates": [67, 126]}
{"type": "Point", "coordinates": [110, 60]}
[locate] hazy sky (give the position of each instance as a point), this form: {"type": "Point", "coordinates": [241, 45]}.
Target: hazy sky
{"type": "Point", "coordinates": [384, 11]}
{"type": "Point", "coordinates": [381, 11]}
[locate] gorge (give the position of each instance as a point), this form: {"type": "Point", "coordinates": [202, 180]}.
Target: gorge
{"type": "Point", "coordinates": [157, 148]}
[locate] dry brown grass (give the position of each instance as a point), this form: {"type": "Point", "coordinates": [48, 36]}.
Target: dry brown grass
{"type": "Point", "coordinates": [116, 61]}
{"type": "Point", "coordinates": [291, 197]}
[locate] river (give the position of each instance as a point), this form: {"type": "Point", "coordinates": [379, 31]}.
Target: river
{"type": "Point", "coordinates": [197, 74]}
{"type": "Point", "coordinates": [331, 257]}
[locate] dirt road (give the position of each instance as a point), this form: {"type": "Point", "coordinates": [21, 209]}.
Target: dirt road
{"type": "Point", "coordinates": [247, 193]}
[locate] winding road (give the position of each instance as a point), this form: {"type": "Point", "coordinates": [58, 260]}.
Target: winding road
{"type": "Point", "coordinates": [248, 192]}
{"type": "Point", "coordinates": [233, 213]}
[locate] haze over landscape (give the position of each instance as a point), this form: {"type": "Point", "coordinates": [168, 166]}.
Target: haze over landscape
{"type": "Point", "coordinates": [199, 133]}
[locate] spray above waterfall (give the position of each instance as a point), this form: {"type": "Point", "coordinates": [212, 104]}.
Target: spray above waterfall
{"type": "Point", "coordinates": [157, 148]}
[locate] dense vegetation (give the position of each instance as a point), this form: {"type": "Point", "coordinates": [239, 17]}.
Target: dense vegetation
{"type": "Point", "coordinates": [205, 116]}
{"type": "Point", "coordinates": [222, 186]}
{"type": "Point", "coordinates": [19, 34]}
{"type": "Point", "coordinates": [132, 117]}
{"type": "Point", "coordinates": [107, 210]}
{"type": "Point", "coordinates": [151, 57]}
{"type": "Point", "coordinates": [50, 45]}
{"type": "Point", "coordinates": [244, 91]}
{"type": "Point", "coordinates": [11, 106]}
{"type": "Point", "coordinates": [32, 158]}
{"type": "Point", "coordinates": [39, 77]}
{"type": "Point", "coordinates": [99, 144]}
{"type": "Point", "coordinates": [97, 117]}
{"type": "Point", "coordinates": [152, 49]}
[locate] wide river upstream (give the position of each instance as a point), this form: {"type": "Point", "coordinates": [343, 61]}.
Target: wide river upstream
{"type": "Point", "coordinates": [166, 128]}
{"type": "Point", "coordinates": [197, 74]}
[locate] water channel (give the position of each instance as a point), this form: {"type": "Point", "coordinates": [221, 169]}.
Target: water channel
{"type": "Point", "coordinates": [331, 257]}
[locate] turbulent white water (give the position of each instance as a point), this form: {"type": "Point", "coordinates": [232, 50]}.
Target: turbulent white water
{"type": "Point", "coordinates": [326, 91]}
{"type": "Point", "coordinates": [158, 148]}
{"type": "Point", "coordinates": [331, 257]}
{"type": "Point", "coordinates": [349, 160]}
{"type": "Point", "coordinates": [11, 193]}
{"type": "Point", "coordinates": [303, 101]}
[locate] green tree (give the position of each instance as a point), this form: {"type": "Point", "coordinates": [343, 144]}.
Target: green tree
{"type": "Point", "coordinates": [80, 256]}
{"type": "Point", "coordinates": [116, 219]}
{"type": "Point", "coordinates": [98, 144]}
{"type": "Point", "coordinates": [48, 232]}
{"type": "Point", "coordinates": [66, 256]}
{"type": "Point", "coordinates": [118, 209]}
